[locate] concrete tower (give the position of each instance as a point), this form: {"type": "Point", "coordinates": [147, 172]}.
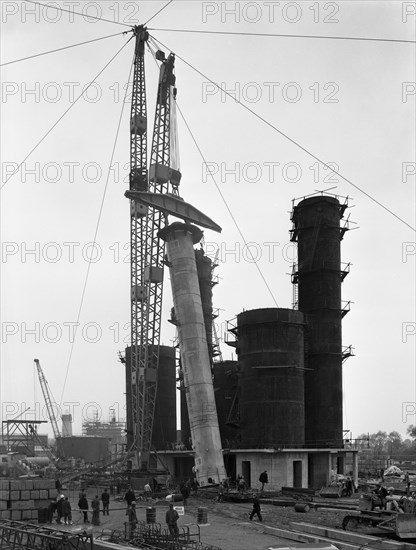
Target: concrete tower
{"type": "Point", "coordinates": [317, 230]}
{"type": "Point", "coordinates": [195, 360]}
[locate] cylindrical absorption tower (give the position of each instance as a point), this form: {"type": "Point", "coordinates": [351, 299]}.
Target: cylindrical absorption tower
{"type": "Point", "coordinates": [206, 441]}
{"type": "Point", "coordinates": [318, 233]}
{"type": "Point", "coordinates": [164, 421]}
{"type": "Point", "coordinates": [271, 358]}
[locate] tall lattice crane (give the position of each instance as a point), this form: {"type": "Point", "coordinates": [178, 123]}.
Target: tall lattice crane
{"type": "Point", "coordinates": [147, 250]}
{"type": "Point", "coordinates": [48, 401]}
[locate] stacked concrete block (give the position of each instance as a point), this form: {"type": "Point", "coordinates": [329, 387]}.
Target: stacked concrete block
{"type": "Point", "coordinates": [20, 499]}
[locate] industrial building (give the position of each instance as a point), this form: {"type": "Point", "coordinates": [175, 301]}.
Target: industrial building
{"type": "Point", "coordinates": [279, 405]}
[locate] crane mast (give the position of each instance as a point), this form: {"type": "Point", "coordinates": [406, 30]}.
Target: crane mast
{"type": "Point", "coordinates": [48, 401]}
{"type": "Point", "coordinates": [147, 249]}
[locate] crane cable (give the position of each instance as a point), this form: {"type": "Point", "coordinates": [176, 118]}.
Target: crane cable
{"type": "Point", "coordinates": [62, 116]}
{"type": "Point", "coordinates": [96, 229]}
{"type": "Point", "coordinates": [273, 35]}
{"type": "Point", "coordinates": [157, 13]}
{"type": "Point", "coordinates": [304, 149]}
{"type": "Point", "coordinates": [60, 49]}
{"type": "Point", "coordinates": [77, 13]}
{"type": "Point", "coordinates": [228, 208]}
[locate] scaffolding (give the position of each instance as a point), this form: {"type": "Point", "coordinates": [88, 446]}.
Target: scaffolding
{"type": "Point", "coordinates": [15, 535]}
{"type": "Point", "coordinates": [21, 435]}
{"type": "Point", "coordinates": [141, 534]}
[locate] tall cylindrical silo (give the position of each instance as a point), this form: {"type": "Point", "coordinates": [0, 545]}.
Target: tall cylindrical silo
{"type": "Point", "coordinates": [317, 230]}
{"type": "Point", "coordinates": [164, 420]}
{"type": "Point", "coordinates": [270, 346]}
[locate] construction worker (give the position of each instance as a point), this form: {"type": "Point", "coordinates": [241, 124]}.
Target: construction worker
{"type": "Point", "coordinates": [172, 517]}
{"type": "Point", "coordinates": [83, 506]}
{"type": "Point", "coordinates": [185, 492]}
{"type": "Point", "coordinates": [221, 492]}
{"type": "Point", "coordinates": [132, 518]}
{"type": "Point", "coordinates": [349, 486]}
{"type": "Point", "coordinates": [51, 510]}
{"type": "Point", "coordinates": [407, 482]}
{"type": "Point", "coordinates": [263, 479]}
{"type": "Point", "coordinates": [256, 511]}
{"type": "Point", "coordinates": [129, 497]}
{"type": "Point", "coordinates": [59, 508]}
{"type": "Point", "coordinates": [147, 491]}
{"type": "Point", "coordinates": [67, 511]}
{"type": "Point", "coordinates": [95, 505]}
{"type": "Point", "coordinates": [105, 499]}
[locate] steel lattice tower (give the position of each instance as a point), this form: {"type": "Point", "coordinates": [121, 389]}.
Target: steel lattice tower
{"type": "Point", "coordinates": [147, 250]}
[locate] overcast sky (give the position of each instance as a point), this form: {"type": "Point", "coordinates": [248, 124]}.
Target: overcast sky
{"type": "Point", "coordinates": [346, 102]}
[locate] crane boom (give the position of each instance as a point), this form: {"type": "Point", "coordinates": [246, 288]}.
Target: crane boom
{"type": "Point", "coordinates": [48, 401]}
{"type": "Point", "coordinates": [138, 181]}
{"type": "Point", "coordinates": [147, 249]}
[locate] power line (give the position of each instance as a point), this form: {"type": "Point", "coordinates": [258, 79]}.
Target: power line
{"type": "Point", "coordinates": [60, 49]}
{"type": "Point", "coordinates": [62, 116]}
{"type": "Point", "coordinates": [273, 35]}
{"type": "Point", "coordinates": [96, 232]}
{"type": "Point", "coordinates": [228, 208]}
{"type": "Point", "coordinates": [77, 13]}
{"type": "Point", "coordinates": [295, 143]}
{"type": "Point", "coordinates": [157, 13]}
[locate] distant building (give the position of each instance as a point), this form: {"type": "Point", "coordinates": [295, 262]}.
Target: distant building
{"type": "Point", "coordinates": [113, 430]}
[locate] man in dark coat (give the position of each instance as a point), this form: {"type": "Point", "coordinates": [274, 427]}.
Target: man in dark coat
{"type": "Point", "coordinates": [132, 518]}
{"type": "Point", "coordinates": [105, 499]}
{"type": "Point", "coordinates": [256, 511]}
{"type": "Point", "coordinates": [172, 517]}
{"type": "Point", "coordinates": [67, 511]}
{"type": "Point", "coordinates": [129, 497]}
{"type": "Point", "coordinates": [95, 505]}
{"type": "Point", "coordinates": [263, 479]}
{"type": "Point", "coordinates": [51, 510]}
{"type": "Point", "coordinates": [83, 506]}
{"type": "Point", "coordinates": [59, 508]}
{"type": "Point", "coordinates": [185, 493]}
{"type": "Point", "coordinates": [349, 486]}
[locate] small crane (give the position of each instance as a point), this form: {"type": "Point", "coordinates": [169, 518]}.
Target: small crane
{"type": "Point", "coordinates": [48, 401]}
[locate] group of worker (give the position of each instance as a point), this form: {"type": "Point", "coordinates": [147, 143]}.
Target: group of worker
{"type": "Point", "coordinates": [171, 517]}
{"type": "Point", "coordinates": [95, 506]}
{"type": "Point", "coordinates": [63, 509]}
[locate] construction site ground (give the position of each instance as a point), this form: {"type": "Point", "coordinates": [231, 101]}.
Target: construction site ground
{"type": "Point", "coordinates": [228, 526]}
